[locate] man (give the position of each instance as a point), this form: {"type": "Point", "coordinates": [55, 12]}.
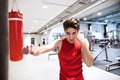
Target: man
{"type": "Point", "coordinates": [72, 50]}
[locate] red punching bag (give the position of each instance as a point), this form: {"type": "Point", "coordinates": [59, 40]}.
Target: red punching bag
{"type": "Point", "coordinates": [15, 35]}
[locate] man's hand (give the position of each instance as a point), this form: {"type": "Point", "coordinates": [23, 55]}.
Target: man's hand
{"type": "Point", "coordinates": [83, 40]}
{"type": "Point", "coordinates": [25, 50]}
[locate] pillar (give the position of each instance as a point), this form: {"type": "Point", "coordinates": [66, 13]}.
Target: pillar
{"type": "Point", "coordinates": [4, 40]}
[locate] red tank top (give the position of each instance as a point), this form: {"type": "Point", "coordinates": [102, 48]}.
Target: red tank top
{"type": "Point", "coordinates": [70, 59]}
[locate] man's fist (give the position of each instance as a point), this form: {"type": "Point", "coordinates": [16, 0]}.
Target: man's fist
{"type": "Point", "coordinates": [28, 49]}
{"type": "Point", "coordinates": [25, 50]}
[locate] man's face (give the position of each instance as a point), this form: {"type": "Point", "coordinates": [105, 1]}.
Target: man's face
{"type": "Point", "coordinates": [71, 34]}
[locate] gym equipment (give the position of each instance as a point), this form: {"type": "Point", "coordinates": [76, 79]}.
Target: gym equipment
{"type": "Point", "coordinates": [52, 54]}
{"type": "Point", "coordinates": [92, 42]}
{"type": "Point", "coordinates": [116, 65]}
{"type": "Point", "coordinates": [104, 45]}
{"type": "Point", "coordinates": [116, 44]}
{"type": "Point", "coordinates": [15, 35]}
{"type": "Point", "coordinates": [90, 38]}
{"type": "Point", "coordinates": [115, 36]}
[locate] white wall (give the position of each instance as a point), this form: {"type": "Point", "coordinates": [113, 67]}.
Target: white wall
{"type": "Point", "coordinates": [98, 30]}
{"type": "Point", "coordinates": [56, 29]}
{"type": "Point", "coordinates": [27, 39]}
{"type": "Point", "coordinates": [111, 27]}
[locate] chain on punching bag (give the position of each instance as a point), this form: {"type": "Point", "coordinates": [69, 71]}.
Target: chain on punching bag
{"type": "Point", "coordinates": [15, 35]}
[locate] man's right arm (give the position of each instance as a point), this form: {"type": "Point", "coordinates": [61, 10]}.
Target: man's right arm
{"type": "Point", "coordinates": [42, 49]}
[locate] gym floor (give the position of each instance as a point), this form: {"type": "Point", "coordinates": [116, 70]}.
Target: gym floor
{"type": "Point", "coordinates": [42, 68]}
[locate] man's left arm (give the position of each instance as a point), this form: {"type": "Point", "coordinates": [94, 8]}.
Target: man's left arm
{"type": "Point", "coordinates": [86, 54]}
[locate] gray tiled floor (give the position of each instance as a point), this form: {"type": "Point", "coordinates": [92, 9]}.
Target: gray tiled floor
{"type": "Point", "coordinates": [40, 68]}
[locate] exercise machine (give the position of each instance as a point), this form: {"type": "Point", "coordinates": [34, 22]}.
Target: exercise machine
{"type": "Point", "coordinates": [104, 45]}
{"type": "Point", "coordinates": [116, 44]}
{"type": "Point", "coordinates": [113, 66]}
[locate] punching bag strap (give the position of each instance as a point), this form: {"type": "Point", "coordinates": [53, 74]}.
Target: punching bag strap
{"type": "Point", "coordinates": [14, 4]}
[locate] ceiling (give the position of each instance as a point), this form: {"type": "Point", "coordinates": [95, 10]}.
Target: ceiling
{"type": "Point", "coordinates": [36, 18]}
{"type": "Point", "coordinates": [110, 13]}
{"type": "Point", "coordinates": [34, 15]}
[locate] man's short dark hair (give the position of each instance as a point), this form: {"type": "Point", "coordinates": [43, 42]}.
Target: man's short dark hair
{"type": "Point", "coordinates": [71, 23]}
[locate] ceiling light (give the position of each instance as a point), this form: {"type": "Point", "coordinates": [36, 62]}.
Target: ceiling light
{"type": "Point", "coordinates": [35, 21]}
{"type": "Point", "coordinates": [106, 20]}
{"type": "Point", "coordinates": [31, 27]}
{"type": "Point", "coordinates": [84, 19]}
{"type": "Point", "coordinates": [44, 6]}
{"type": "Point", "coordinates": [99, 13]}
